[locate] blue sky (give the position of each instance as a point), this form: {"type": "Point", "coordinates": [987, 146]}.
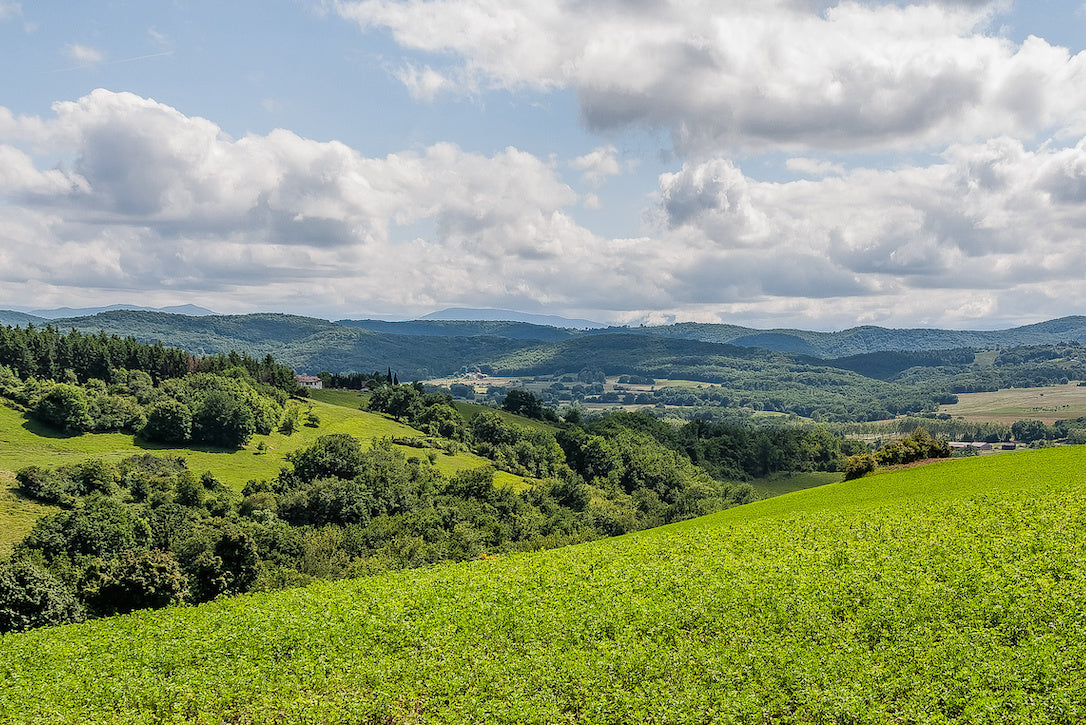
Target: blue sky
{"type": "Point", "coordinates": [770, 163]}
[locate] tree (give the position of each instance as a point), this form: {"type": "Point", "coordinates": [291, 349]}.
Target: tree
{"type": "Point", "coordinates": [169, 421]}
{"type": "Point", "coordinates": [66, 407]}
{"type": "Point", "coordinates": [335, 455]}
{"type": "Point", "coordinates": [99, 527]}
{"type": "Point", "coordinates": [522, 402]}
{"type": "Point", "coordinates": [223, 420]}
{"type": "Point", "coordinates": [400, 401]}
{"type": "Point", "coordinates": [1028, 431]}
{"type": "Point", "coordinates": [31, 597]}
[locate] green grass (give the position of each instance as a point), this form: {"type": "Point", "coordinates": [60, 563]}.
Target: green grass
{"type": "Point", "coordinates": [470, 410]}
{"type": "Point", "coordinates": [17, 514]}
{"type": "Point", "coordinates": [24, 442]}
{"type": "Point", "coordinates": [945, 593]}
{"type": "Point", "coordinates": [782, 483]}
{"type": "Point", "coordinates": [342, 398]}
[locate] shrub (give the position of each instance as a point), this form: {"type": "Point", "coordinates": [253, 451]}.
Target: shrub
{"type": "Point", "coordinates": [31, 597]}
{"type": "Point", "coordinates": [859, 465]}
{"type": "Point", "coordinates": [133, 580]}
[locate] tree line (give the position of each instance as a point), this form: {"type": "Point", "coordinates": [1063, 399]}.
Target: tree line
{"type": "Point", "coordinates": [70, 382]}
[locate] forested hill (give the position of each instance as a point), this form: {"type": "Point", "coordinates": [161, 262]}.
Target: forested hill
{"type": "Point", "coordinates": [431, 348]}
{"type": "Point", "coordinates": [11, 317]}
{"type": "Point", "coordinates": [869, 339]}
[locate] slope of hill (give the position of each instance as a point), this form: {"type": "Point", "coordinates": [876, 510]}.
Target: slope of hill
{"type": "Point", "coordinates": [65, 312]}
{"type": "Point", "coordinates": [947, 593]}
{"type": "Point", "coordinates": [868, 339]}
{"type": "Point", "coordinates": [22, 319]}
{"type": "Point", "coordinates": [27, 442]}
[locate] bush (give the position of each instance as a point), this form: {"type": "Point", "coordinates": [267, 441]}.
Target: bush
{"type": "Point", "coordinates": [134, 580]}
{"type": "Point", "coordinates": [66, 407]}
{"type": "Point", "coordinates": [859, 465]}
{"type": "Point", "coordinates": [31, 597]}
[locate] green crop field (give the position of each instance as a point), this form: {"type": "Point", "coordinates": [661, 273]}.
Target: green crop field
{"type": "Point", "coordinates": [945, 593]}
{"type": "Point", "coordinates": [24, 442]}
{"type": "Point", "coordinates": [1048, 404]}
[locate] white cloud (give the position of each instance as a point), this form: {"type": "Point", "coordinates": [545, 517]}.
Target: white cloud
{"type": "Point", "coordinates": [83, 54]}
{"type": "Point", "coordinates": [814, 167]}
{"type": "Point", "coordinates": [424, 84]}
{"type": "Point", "coordinates": [9, 9]}
{"type": "Point", "coordinates": [722, 76]}
{"type": "Point", "coordinates": [149, 200]}
{"type": "Point", "coordinates": [597, 165]}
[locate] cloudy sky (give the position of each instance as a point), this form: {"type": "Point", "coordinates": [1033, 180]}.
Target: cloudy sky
{"type": "Point", "coordinates": [774, 163]}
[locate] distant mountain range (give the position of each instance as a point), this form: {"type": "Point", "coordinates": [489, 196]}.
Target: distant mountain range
{"type": "Point", "coordinates": [432, 348]}
{"type": "Point", "coordinates": [65, 312]}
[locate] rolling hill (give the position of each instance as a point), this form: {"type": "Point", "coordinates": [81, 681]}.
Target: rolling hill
{"type": "Point", "coordinates": [946, 593]}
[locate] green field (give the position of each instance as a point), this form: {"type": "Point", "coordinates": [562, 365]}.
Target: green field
{"type": "Point", "coordinates": [1048, 404]}
{"type": "Point", "coordinates": [944, 593]}
{"type": "Point", "coordinates": [24, 442]}
{"type": "Point", "coordinates": [782, 483]}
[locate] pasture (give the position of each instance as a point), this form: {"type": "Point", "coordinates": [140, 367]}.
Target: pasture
{"type": "Point", "coordinates": [1047, 404]}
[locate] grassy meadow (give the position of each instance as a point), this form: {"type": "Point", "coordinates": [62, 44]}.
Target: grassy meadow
{"type": "Point", "coordinates": [17, 513]}
{"type": "Point", "coordinates": [943, 593]}
{"type": "Point", "coordinates": [25, 442]}
{"type": "Point", "coordinates": [1047, 404]}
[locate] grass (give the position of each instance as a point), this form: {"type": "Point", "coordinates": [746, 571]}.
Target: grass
{"type": "Point", "coordinates": [945, 593]}
{"type": "Point", "coordinates": [470, 410]}
{"type": "Point", "coordinates": [1047, 404]}
{"type": "Point", "coordinates": [783, 483]}
{"type": "Point", "coordinates": [24, 442]}
{"type": "Point", "coordinates": [17, 514]}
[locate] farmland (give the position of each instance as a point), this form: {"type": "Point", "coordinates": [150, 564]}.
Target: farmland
{"type": "Point", "coordinates": [943, 593]}
{"type": "Point", "coordinates": [1047, 404]}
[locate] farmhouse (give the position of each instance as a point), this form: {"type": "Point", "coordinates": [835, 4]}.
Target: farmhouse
{"type": "Point", "coordinates": [309, 381]}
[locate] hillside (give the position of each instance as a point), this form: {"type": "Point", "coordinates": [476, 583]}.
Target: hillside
{"type": "Point", "coordinates": [944, 593]}
{"type": "Point", "coordinates": [11, 317]}
{"type": "Point", "coordinates": [432, 348]}
{"type": "Point", "coordinates": [26, 442]}
{"type": "Point", "coordinates": [870, 339]}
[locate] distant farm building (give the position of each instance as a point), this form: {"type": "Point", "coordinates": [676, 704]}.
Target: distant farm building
{"type": "Point", "coordinates": [309, 381]}
{"type": "Point", "coordinates": [979, 445]}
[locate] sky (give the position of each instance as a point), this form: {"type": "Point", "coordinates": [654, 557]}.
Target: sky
{"type": "Point", "coordinates": [770, 163]}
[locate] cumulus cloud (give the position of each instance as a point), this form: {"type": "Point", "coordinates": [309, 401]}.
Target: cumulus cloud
{"type": "Point", "coordinates": [145, 197]}
{"type": "Point", "coordinates": [722, 76]}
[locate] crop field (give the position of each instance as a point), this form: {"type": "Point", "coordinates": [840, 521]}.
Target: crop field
{"type": "Point", "coordinates": [1048, 404]}
{"type": "Point", "coordinates": [945, 593]}
{"type": "Point", "coordinates": [24, 442]}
